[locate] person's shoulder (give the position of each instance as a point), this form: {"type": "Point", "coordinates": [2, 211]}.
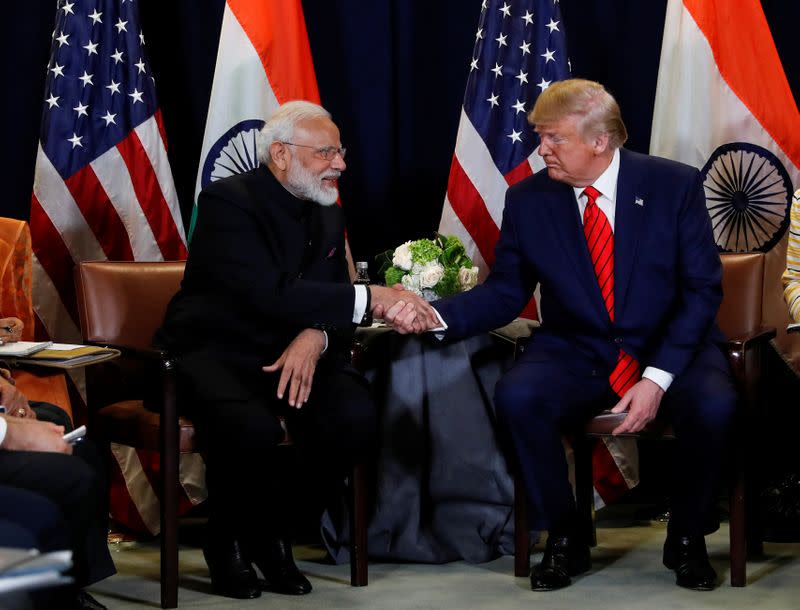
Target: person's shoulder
{"type": "Point", "coordinates": [540, 182]}
{"type": "Point", "coordinates": [643, 163]}
{"type": "Point", "coordinates": [536, 191]}
{"type": "Point", "coordinates": [237, 184]}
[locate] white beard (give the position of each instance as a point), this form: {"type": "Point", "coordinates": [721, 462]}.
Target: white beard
{"type": "Point", "coordinates": [305, 185]}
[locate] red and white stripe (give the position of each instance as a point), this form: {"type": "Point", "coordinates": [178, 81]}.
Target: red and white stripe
{"type": "Point", "coordinates": [122, 206]}
{"type": "Point", "coordinates": [476, 190]}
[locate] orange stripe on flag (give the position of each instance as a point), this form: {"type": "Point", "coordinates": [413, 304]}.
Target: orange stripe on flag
{"type": "Point", "coordinates": [277, 30]}
{"type": "Point", "coordinates": [746, 57]}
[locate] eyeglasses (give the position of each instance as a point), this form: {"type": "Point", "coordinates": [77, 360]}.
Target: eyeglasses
{"type": "Point", "coordinates": [327, 153]}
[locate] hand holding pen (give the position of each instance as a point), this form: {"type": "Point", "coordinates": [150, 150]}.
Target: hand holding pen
{"type": "Point", "coordinates": [10, 330]}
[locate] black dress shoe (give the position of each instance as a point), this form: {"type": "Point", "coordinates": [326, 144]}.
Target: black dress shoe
{"type": "Point", "coordinates": [231, 574]}
{"type": "Point", "coordinates": [281, 575]}
{"type": "Point", "coordinates": [563, 557]}
{"type": "Point", "coordinates": [687, 555]}
{"type": "Point", "coordinates": [84, 601]}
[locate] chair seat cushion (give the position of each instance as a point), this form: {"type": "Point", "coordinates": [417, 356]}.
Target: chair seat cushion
{"type": "Point", "coordinates": [129, 423]}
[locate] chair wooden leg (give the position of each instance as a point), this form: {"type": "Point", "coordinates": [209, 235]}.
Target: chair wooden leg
{"type": "Point", "coordinates": [522, 541]}
{"type": "Point", "coordinates": [584, 488]}
{"type": "Point", "coordinates": [358, 528]}
{"type": "Point", "coordinates": [738, 530]}
{"type": "Point", "coordinates": [169, 460]}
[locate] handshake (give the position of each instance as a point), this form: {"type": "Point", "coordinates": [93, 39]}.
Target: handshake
{"type": "Point", "coordinates": [403, 310]}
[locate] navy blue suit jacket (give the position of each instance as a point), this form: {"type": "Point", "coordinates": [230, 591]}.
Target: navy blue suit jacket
{"type": "Point", "coordinates": [666, 267]}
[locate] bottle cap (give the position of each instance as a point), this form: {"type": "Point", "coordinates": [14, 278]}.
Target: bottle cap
{"type": "Point", "coordinates": [362, 265]}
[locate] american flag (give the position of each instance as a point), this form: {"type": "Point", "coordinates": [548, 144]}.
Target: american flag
{"type": "Point", "coordinates": [520, 49]}
{"type": "Point", "coordinates": [103, 187]}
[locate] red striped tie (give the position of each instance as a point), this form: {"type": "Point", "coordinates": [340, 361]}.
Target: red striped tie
{"type": "Point", "coordinates": [600, 239]}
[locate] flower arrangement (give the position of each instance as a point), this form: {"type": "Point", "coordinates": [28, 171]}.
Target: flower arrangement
{"type": "Point", "coordinates": [431, 268]}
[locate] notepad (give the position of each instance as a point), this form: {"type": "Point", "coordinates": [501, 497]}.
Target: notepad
{"type": "Point", "coordinates": [68, 355]}
{"type": "Point", "coordinates": [20, 349]}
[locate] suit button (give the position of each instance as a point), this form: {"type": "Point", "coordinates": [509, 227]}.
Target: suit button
{"type": "Point", "coordinates": [618, 340]}
{"type": "Point", "coordinates": [300, 276]}
{"type": "Point", "coordinates": [594, 372]}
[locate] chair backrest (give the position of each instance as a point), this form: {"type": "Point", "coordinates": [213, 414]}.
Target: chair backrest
{"type": "Point", "coordinates": [742, 288]}
{"type": "Point", "coordinates": [123, 303]}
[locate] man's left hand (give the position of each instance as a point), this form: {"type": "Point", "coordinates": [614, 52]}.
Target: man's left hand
{"type": "Point", "coordinates": [14, 401]}
{"type": "Point", "coordinates": [641, 402]}
{"type": "Point", "coordinates": [298, 363]}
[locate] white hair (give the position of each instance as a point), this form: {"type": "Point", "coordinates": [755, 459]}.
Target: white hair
{"type": "Point", "coordinates": [281, 124]}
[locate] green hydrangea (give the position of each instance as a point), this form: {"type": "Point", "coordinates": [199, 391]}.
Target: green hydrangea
{"type": "Point", "coordinates": [424, 251]}
{"type": "Point", "coordinates": [393, 275]}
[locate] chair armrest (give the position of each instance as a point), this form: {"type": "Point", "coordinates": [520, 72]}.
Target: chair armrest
{"type": "Point", "coordinates": [745, 342]}
{"type": "Point", "coordinates": [744, 355]}
{"type": "Point", "coordinates": [151, 354]}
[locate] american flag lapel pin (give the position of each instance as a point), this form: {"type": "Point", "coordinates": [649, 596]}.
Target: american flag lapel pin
{"type": "Point", "coordinates": [638, 201]}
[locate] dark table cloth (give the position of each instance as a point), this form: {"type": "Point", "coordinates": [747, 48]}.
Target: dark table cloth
{"type": "Point", "coordinates": [442, 490]}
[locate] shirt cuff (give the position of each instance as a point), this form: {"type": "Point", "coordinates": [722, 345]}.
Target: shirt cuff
{"type": "Point", "coordinates": [439, 330]}
{"type": "Point", "coordinates": [360, 306]}
{"type": "Point", "coordinates": [658, 376]}
{"type": "Point", "coordinates": [324, 349]}
{"type": "Point", "coordinates": [3, 428]}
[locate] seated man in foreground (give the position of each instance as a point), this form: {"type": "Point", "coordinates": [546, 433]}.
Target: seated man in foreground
{"type": "Point", "coordinates": [622, 246]}
{"type": "Point", "coordinates": [40, 468]}
{"type": "Point", "coordinates": [262, 328]}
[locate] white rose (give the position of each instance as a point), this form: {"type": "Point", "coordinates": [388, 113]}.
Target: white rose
{"type": "Point", "coordinates": [417, 268]}
{"type": "Point", "coordinates": [411, 283]}
{"type": "Point", "coordinates": [468, 278]}
{"type": "Point", "coordinates": [402, 257]}
{"type": "Point", "coordinates": [430, 275]}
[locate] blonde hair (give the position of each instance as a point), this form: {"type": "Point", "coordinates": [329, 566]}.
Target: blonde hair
{"type": "Point", "coordinates": [597, 110]}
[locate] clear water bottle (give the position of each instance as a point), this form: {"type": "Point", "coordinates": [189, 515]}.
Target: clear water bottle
{"type": "Point", "coordinates": [362, 277]}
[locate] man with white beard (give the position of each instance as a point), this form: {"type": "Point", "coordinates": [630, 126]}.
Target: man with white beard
{"type": "Point", "coordinates": [261, 329]}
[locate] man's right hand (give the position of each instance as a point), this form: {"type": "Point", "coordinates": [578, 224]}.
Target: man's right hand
{"type": "Point", "coordinates": [403, 310]}
{"type": "Point", "coordinates": [34, 435]}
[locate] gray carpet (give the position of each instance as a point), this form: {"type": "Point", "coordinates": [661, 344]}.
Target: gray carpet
{"type": "Point", "coordinates": [626, 573]}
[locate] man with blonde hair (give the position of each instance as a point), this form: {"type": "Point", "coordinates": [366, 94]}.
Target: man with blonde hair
{"type": "Point", "coordinates": [621, 244]}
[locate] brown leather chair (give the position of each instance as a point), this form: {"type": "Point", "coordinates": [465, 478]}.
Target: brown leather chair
{"type": "Point", "coordinates": [740, 319]}
{"type": "Point", "coordinates": [121, 304]}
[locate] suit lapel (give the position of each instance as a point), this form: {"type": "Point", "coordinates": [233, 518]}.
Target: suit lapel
{"type": "Point", "coordinates": [629, 215]}
{"type": "Point", "coordinates": [569, 231]}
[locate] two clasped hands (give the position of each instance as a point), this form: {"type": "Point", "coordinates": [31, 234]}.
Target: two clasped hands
{"type": "Point", "coordinates": [403, 310]}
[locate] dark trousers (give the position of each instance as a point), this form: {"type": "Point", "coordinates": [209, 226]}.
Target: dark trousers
{"type": "Point", "coordinates": [77, 489]}
{"type": "Point", "coordinates": [29, 520]}
{"type": "Point", "coordinates": [251, 486]}
{"type": "Point", "coordinates": [539, 400]}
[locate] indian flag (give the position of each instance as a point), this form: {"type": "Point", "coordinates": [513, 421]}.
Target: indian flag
{"type": "Point", "coordinates": [723, 104]}
{"type": "Point", "coordinates": [263, 60]}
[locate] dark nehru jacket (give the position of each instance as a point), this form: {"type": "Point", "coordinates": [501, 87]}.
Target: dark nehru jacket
{"type": "Point", "coordinates": [263, 265]}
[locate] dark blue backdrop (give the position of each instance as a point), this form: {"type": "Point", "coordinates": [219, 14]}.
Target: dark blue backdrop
{"type": "Point", "coordinates": [392, 72]}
